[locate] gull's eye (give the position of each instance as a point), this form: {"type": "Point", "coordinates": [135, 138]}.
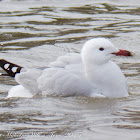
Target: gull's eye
{"type": "Point", "coordinates": [101, 49]}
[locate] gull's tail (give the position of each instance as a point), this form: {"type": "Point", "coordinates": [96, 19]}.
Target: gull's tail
{"type": "Point", "coordinates": [10, 68]}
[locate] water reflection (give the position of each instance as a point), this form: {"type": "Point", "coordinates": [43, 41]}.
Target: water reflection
{"type": "Point", "coordinates": [129, 117]}
{"type": "Point", "coordinates": [84, 22]}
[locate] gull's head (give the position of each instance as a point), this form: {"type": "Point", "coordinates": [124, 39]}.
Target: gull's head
{"type": "Point", "coordinates": [99, 51]}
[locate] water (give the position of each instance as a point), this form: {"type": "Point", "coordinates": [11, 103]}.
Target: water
{"type": "Point", "coordinates": [33, 33]}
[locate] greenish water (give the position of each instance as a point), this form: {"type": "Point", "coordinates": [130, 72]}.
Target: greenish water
{"type": "Point", "coordinates": [34, 33]}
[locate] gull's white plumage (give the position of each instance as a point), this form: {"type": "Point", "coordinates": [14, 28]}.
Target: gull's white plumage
{"type": "Point", "coordinates": [90, 73]}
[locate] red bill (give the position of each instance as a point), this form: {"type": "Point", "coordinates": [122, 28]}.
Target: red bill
{"type": "Point", "coordinates": [123, 53]}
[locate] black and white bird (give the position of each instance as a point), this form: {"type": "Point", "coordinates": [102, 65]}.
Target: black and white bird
{"type": "Point", "coordinates": [90, 73]}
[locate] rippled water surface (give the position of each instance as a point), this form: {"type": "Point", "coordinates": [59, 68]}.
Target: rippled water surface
{"type": "Point", "coordinates": [34, 33]}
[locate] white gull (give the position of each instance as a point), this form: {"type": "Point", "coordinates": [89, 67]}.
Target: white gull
{"type": "Point", "coordinates": [91, 73]}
